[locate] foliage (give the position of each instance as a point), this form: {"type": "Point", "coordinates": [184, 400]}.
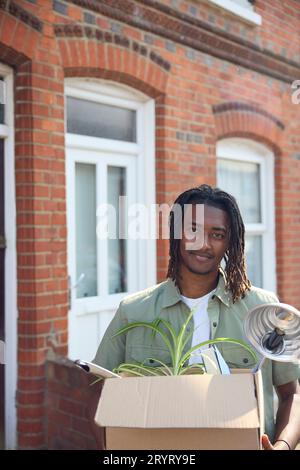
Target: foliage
{"type": "Point", "coordinates": [175, 344]}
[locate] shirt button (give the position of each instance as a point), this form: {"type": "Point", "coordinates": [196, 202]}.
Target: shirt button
{"type": "Point", "coordinates": [245, 360]}
{"type": "Point", "coordinates": [215, 324]}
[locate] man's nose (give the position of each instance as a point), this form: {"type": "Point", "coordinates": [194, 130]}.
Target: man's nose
{"type": "Point", "coordinates": [206, 240]}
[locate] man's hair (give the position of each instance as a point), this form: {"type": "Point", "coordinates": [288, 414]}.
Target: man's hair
{"type": "Point", "coordinates": [235, 269]}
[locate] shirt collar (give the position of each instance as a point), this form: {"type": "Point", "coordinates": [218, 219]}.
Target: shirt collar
{"type": "Point", "coordinates": [172, 296]}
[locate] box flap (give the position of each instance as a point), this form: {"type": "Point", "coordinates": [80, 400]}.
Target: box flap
{"type": "Point", "coordinates": [191, 401]}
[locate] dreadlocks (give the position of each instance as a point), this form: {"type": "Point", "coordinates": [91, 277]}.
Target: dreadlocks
{"type": "Point", "coordinates": [235, 270]}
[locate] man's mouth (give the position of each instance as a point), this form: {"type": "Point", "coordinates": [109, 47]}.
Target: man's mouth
{"type": "Point", "coordinates": [201, 256]}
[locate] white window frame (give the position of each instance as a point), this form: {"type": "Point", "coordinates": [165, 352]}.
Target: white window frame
{"type": "Point", "coordinates": [245, 150]}
{"type": "Point", "coordinates": [235, 8]}
{"type": "Point", "coordinates": [11, 313]}
{"type": "Point", "coordinates": [116, 153]}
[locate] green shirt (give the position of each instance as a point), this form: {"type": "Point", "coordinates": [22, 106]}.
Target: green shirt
{"type": "Point", "coordinates": [226, 320]}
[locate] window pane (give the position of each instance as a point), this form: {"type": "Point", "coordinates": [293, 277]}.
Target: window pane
{"type": "Point", "coordinates": [2, 96]}
{"type": "Point", "coordinates": [117, 248]}
{"type": "Point", "coordinates": [100, 120]}
{"type": "Point", "coordinates": [85, 219]}
{"type": "Point", "coordinates": [253, 250]}
{"type": "Point", "coordinates": [242, 180]}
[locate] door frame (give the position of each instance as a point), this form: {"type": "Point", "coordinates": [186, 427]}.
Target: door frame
{"type": "Point", "coordinates": [10, 290]}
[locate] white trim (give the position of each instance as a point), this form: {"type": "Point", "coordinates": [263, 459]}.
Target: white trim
{"type": "Point", "coordinates": [245, 150]}
{"type": "Point", "coordinates": [75, 86]}
{"type": "Point", "coordinates": [103, 99]}
{"type": "Point", "coordinates": [85, 142]}
{"type": "Point", "coordinates": [246, 14]}
{"type": "Point", "coordinates": [7, 131]}
{"type": "Point", "coordinates": [150, 183]}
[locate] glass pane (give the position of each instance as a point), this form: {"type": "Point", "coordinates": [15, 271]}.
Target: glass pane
{"type": "Point", "coordinates": [253, 251]}
{"type": "Point", "coordinates": [85, 219]}
{"type": "Point", "coordinates": [116, 179]}
{"type": "Point", "coordinates": [100, 120]}
{"type": "Point", "coordinates": [2, 99]}
{"type": "Point", "coordinates": [242, 180]}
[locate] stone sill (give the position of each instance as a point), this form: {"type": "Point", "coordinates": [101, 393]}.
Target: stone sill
{"type": "Point", "coordinates": [243, 13]}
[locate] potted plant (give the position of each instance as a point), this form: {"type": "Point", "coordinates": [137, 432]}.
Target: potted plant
{"type": "Point", "coordinates": [175, 343]}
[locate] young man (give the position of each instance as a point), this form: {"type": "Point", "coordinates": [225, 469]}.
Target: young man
{"type": "Point", "coordinates": [220, 299]}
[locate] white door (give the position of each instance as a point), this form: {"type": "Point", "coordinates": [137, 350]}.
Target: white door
{"type": "Point", "coordinates": [104, 264]}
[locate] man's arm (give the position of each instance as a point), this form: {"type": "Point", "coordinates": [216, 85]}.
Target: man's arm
{"type": "Point", "coordinates": [287, 419]}
{"type": "Point", "coordinates": [111, 352]}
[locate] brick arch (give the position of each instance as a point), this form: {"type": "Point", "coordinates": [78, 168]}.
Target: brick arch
{"type": "Point", "coordinates": [236, 119]}
{"type": "Point", "coordinates": [89, 58]}
{"type": "Point", "coordinates": [18, 41]}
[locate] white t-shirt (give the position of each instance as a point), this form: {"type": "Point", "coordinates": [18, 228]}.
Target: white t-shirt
{"type": "Point", "coordinates": [201, 322]}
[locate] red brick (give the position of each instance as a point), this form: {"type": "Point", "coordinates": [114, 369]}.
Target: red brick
{"type": "Point", "coordinates": [31, 412]}
{"type": "Point", "coordinates": [71, 407]}
{"type": "Point", "coordinates": [31, 398]}
{"type": "Point", "coordinates": [7, 29]}
{"type": "Point", "coordinates": [33, 441]}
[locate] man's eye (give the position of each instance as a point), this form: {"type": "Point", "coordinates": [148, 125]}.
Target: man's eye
{"type": "Point", "coordinates": [218, 236]}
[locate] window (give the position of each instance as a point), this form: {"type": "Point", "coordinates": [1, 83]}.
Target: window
{"type": "Point", "coordinates": [110, 154]}
{"type": "Point", "coordinates": [245, 170]}
{"type": "Point", "coordinates": [242, 8]}
{"type": "Point", "coordinates": [100, 120]}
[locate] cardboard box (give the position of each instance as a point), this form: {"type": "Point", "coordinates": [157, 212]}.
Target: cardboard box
{"type": "Point", "coordinates": [183, 412]}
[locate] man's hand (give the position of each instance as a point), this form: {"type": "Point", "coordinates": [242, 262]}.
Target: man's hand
{"type": "Point", "coordinates": [279, 445]}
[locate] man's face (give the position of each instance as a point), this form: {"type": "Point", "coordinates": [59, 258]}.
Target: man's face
{"type": "Point", "coordinates": [205, 259]}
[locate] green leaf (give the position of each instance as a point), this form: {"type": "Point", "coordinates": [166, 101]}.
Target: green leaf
{"type": "Point", "coordinates": [175, 346]}
{"type": "Point", "coordinates": [152, 326]}
{"type": "Point", "coordinates": [136, 369]}
{"type": "Point", "coordinates": [199, 366]}
{"type": "Point", "coordinates": [99, 379]}
{"type": "Point", "coordinates": [215, 341]}
{"type": "Point", "coordinates": [169, 328]}
{"type": "Point", "coordinates": [160, 362]}
{"type": "Point", "coordinates": [181, 341]}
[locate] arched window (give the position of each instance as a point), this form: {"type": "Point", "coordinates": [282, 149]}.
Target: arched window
{"type": "Point", "coordinates": [246, 170]}
{"type": "Point", "coordinates": [110, 153]}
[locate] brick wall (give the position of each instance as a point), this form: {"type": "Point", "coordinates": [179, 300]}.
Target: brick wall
{"type": "Point", "coordinates": [211, 76]}
{"type": "Point", "coordinates": [71, 402]}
